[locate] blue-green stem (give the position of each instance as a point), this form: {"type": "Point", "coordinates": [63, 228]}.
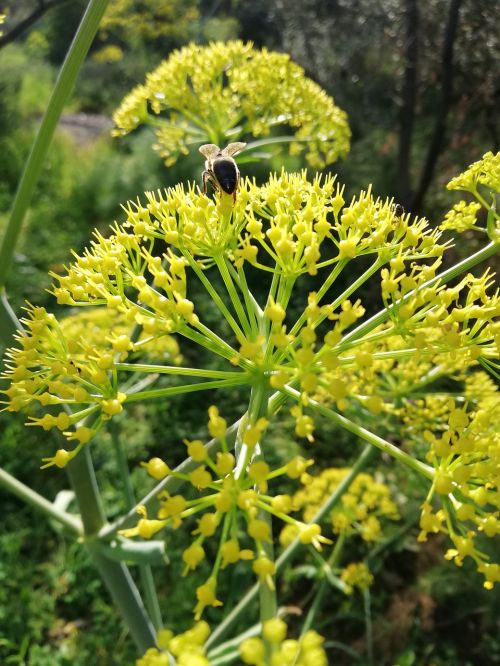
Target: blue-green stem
{"type": "Point", "coordinates": [289, 552]}
{"type": "Point", "coordinates": [147, 580]}
{"type": "Point", "coordinates": [80, 469]}
{"type": "Point", "coordinates": [62, 90]}
{"type": "Point", "coordinates": [116, 575]}
{"type": "Point", "coordinates": [38, 502]}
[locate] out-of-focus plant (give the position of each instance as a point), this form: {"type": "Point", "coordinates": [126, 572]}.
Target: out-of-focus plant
{"type": "Point", "coordinates": [331, 362]}
{"type": "Point", "coordinates": [209, 94]}
{"type": "Point", "coordinates": [149, 20]}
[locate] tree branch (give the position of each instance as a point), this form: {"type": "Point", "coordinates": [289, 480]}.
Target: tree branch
{"type": "Point", "coordinates": [43, 7]}
{"type": "Point", "coordinates": [408, 101]}
{"type": "Point", "coordinates": [443, 106]}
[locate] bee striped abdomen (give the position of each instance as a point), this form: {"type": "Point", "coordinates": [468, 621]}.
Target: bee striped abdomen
{"type": "Point", "coordinates": [226, 174]}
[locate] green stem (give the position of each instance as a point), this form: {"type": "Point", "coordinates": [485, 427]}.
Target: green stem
{"type": "Point", "coordinates": [31, 497]}
{"type": "Point", "coordinates": [62, 90]}
{"type": "Point", "coordinates": [177, 370]}
{"type": "Point", "coordinates": [368, 436]}
{"type": "Point", "coordinates": [368, 625]}
{"type": "Point", "coordinates": [214, 295]}
{"type": "Point", "coordinates": [323, 586]}
{"type": "Point", "coordinates": [145, 572]}
{"type": "Point", "coordinates": [463, 266]}
{"type": "Point", "coordinates": [257, 408]}
{"type": "Point", "coordinates": [233, 295]}
{"type": "Point", "coordinates": [286, 555]}
{"type": "Point", "coordinates": [241, 380]}
{"type": "Point", "coordinates": [116, 575]}
{"type": "Point", "coordinates": [9, 323]}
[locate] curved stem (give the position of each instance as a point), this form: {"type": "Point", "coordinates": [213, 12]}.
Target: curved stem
{"type": "Point", "coordinates": [116, 575]}
{"type": "Point", "coordinates": [62, 90]}
{"type": "Point", "coordinates": [31, 497]}
{"type": "Point", "coordinates": [9, 323]}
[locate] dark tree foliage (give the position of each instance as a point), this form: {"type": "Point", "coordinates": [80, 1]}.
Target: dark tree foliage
{"type": "Point", "coordinates": [22, 16]}
{"type": "Point", "coordinates": [423, 77]}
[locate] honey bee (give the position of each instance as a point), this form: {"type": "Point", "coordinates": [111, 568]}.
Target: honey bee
{"type": "Point", "coordinates": [220, 168]}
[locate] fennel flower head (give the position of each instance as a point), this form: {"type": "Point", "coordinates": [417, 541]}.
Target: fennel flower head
{"type": "Point", "coordinates": [227, 91]}
{"type": "Point", "coordinates": [417, 368]}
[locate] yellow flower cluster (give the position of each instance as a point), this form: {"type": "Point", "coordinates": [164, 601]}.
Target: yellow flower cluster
{"type": "Point", "coordinates": [208, 94]}
{"type": "Point", "coordinates": [465, 452]}
{"type": "Point", "coordinates": [357, 575]}
{"type": "Point", "coordinates": [93, 324]}
{"type": "Point", "coordinates": [72, 364]}
{"type": "Point", "coordinates": [187, 648]}
{"type": "Point", "coordinates": [461, 217]}
{"type": "Point", "coordinates": [149, 20]}
{"type": "Point", "coordinates": [229, 497]}
{"type": "Point", "coordinates": [360, 509]}
{"type": "Point", "coordinates": [286, 227]}
{"type": "Point", "coordinates": [485, 171]}
{"type": "Point", "coordinates": [306, 651]}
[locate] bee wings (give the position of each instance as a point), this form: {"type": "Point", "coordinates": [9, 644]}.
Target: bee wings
{"type": "Point", "coordinates": [210, 150]}
{"type": "Point", "coordinates": [233, 149]}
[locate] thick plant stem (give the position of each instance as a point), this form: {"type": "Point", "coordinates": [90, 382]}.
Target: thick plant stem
{"type": "Point", "coordinates": [62, 90]}
{"type": "Point", "coordinates": [145, 572]}
{"type": "Point", "coordinates": [116, 576]}
{"type": "Point", "coordinates": [288, 553]}
{"type": "Point", "coordinates": [257, 408]}
{"type": "Point", "coordinates": [19, 489]}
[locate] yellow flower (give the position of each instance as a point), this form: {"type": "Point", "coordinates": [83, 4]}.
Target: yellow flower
{"type": "Point", "coordinates": [306, 651]}
{"type": "Point", "coordinates": [206, 597]}
{"type": "Point", "coordinates": [357, 575]}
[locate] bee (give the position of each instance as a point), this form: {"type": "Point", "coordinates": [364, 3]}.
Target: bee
{"type": "Point", "coordinates": [220, 168]}
{"type": "Point", "coordinates": [399, 211]}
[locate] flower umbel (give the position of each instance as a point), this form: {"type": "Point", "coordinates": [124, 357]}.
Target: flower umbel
{"type": "Point", "coordinates": [326, 360]}
{"type": "Point", "coordinates": [207, 94]}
